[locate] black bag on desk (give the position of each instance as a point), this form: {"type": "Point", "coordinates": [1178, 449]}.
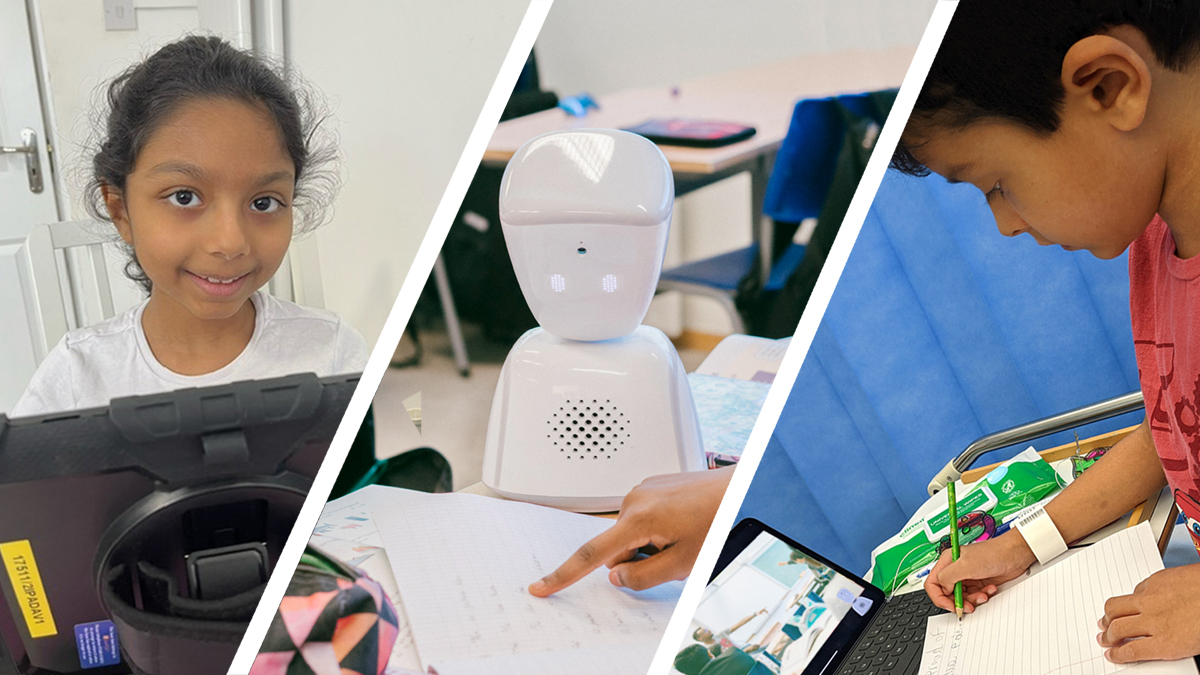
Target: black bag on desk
{"type": "Point", "coordinates": [777, 314]}
{"type": "Point", "coordinates": [423, 469]}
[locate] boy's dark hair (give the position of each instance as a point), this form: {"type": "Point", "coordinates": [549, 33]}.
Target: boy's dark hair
{"type": "Point", "coordinates": [1002, 59]}
{"type": "Point", "coordinates": [138, 101]}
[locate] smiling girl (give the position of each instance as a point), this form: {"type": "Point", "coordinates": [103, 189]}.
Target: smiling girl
{"type": "Point", "coordinates": [206, 168]}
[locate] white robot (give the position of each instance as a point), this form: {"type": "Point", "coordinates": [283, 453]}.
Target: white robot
{"type": "Point", "coordinates": [592, 402]}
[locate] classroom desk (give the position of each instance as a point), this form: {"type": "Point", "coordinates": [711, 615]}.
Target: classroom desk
{"type": "Point", "coordinates": [737, 357]}
{"type": "Point", "coordinates": [362, 549]}
{"type": "Point", "coordinates": [485, 491]}
{"type": "Point", "coordinates": [761, 96]}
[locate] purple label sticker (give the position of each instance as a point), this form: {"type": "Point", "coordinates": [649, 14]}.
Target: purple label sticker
{"type": "Point", "coordinates": [97, 644]}
{"type": "Point", "coordinates": [862, 605]}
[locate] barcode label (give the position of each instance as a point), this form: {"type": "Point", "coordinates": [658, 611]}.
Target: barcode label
{"type": "Point", "coordinates": [1030, 517]}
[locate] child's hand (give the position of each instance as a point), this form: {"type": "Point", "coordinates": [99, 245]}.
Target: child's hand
{"type": "Point", "coordinates": [671, 513]}
{"type": "Point", "coordinates": [982, 567]}
{"type": "Point", "coordinates": [1158, 621]}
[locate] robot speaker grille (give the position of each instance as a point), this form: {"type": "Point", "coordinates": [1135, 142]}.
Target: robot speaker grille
{"type": "Point", "coordinates": [589, 428]}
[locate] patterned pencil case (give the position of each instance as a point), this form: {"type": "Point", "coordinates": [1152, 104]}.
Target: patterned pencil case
{"type": "Point", "coordinates": [333, 620]}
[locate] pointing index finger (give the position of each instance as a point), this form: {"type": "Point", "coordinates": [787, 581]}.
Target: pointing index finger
{"type": "Point", "coordinates": [601, 549]}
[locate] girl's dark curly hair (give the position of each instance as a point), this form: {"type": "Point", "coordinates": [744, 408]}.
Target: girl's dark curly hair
{"type": "Point", "coordinates": [139, 100]}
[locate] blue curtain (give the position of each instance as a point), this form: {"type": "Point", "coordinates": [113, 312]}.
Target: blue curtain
{"type": "Point", "coordinates": [940, 331]}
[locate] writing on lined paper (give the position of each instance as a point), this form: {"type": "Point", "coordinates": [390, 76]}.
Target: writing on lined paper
{"type": "Point", "coordinates": [1046, 624]}
{"type": "Point", "coordinates": [463, 563]}
{"type": "Point", "coordinates": [623, 658]}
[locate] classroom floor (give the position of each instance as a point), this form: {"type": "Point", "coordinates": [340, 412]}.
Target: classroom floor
{"type": "Point", "coordinates": [454, 409]}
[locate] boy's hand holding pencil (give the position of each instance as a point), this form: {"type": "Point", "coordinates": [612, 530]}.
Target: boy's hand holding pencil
{"type": "Point", "coordinates": [981, 568]}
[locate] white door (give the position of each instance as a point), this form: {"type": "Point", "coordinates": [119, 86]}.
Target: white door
{"type": "Point", "coordinates": [25, 199]}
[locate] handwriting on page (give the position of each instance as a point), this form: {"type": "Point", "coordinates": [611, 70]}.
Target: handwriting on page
{"type": "Point", "coordinates": [463, 563]}
{"type": "Point", "coordinates": [941, 648]}
{"type": "Point", "coordinates": [607, 660]}
{"type": "Point", "coordinates": [1045, 625]}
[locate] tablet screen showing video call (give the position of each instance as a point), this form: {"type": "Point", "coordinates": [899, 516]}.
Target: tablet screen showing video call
{"type": "Point", "coordinates": [780, 604]}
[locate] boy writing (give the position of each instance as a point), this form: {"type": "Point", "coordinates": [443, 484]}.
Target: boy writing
{"type": "Point", "coordinates": [1078, 121]}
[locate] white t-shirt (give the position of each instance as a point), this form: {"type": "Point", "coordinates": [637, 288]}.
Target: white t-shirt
{"type": "Point", "coordinates": [92, 365]}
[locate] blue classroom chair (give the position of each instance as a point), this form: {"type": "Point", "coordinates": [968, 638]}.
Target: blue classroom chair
{"type": "Point", "coordinates": [800, 180]}
{"type": "Point", "coordinates": [940, 331]}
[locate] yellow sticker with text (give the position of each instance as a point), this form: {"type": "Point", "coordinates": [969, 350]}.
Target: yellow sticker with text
{"type": "Point", "coordinates": [27, 585]}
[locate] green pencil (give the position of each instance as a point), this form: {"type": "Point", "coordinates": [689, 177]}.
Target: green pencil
{"type": "Point", "coordinates": [958, 601]}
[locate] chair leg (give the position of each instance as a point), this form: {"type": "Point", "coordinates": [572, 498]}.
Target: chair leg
{"type": "Point", "coordinates": [735, 318]}
{"type": "Point", "coordinates": [453, 329]}
{"type": "Point", "coordinates": [723, 297]}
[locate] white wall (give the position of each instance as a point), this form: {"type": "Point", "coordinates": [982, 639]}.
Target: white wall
{"type": "Point", "coordinates": [407, 82]}
{"type": "Point", "coordinates": [604, 47]}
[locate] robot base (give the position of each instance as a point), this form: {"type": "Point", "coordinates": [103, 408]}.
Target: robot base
{"type": "Point", "coordinates": [577, 425]}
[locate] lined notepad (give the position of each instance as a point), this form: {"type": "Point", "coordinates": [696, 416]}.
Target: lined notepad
{"type": "Point", "coordinates": [462, 565]}
{"type": "Point", "coordinates": [1046, 624]}
{"type": "Point", "coordinates": [623, 659]}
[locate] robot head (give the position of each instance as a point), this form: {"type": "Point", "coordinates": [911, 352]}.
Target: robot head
{"type": "Point", "coordinates": [586, 215]}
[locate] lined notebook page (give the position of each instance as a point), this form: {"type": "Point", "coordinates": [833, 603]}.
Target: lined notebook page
{"type": "Point", "coordinates": [462, 564]}
{"type": "Point", "coordinates": [1046, 624]}
{"type": "Point", "coordinates": [347, 532]}
{"type": "Point", "coordinates": [610, 660]}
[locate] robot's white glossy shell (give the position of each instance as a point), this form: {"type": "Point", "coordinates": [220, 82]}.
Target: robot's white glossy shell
{"type": "Point", "coordinates": [586, 215]}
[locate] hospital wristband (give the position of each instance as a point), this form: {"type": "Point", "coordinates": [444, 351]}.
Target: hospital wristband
{"type": "Point", "coordinates": [1041, 535]}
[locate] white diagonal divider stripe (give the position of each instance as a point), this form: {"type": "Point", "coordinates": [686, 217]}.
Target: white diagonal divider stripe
{"type": "Point", "coordinates": [855, 215]}
{"type": "Point", "coordinates": [422, 265]}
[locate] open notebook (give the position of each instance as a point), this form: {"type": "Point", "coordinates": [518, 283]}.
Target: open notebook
{"type": "Point", "coordinates": [462, 564]}
{"type": "Point", "coordinates": [1045, 624]}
